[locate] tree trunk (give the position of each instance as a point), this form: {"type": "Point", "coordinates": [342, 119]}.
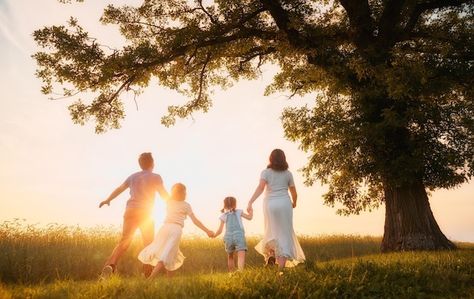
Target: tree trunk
{"type": "Point", "coordinates": [409, 222]}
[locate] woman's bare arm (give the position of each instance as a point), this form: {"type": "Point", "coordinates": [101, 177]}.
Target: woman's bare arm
{"type": "Point", "coordinates": [294, 195]}
{"type": "Point", "coordinates": [258, 191]}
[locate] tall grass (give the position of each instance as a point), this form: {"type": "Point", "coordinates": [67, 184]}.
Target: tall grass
{"type": "Point", "coordinates": [30, 253]}
{"type": "Point", "coordinates": [64, 262]}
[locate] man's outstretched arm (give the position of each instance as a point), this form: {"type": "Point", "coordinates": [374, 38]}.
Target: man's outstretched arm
{"type": "Point", "coordinates": [114, 194]}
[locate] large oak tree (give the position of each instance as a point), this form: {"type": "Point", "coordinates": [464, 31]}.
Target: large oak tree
{"type": "Point", "coordinates": [393, 82]}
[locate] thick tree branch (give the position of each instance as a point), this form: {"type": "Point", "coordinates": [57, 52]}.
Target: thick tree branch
{"type": "Point", "coordinates": [362, 24]}
{"type": "Point", "coordinates": [419, 9]}
{"type": "Point", "coordinates": [388, 22]}
{"type": "Point", "coordinates": [280, 15]}
{"type": "Point", "coordinates": [182, 50]}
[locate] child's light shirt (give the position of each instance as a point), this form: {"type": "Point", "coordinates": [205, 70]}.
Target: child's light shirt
{"type": "Point", "coordinates": [238, 213]}
{"type": "Point", "coordinates": [143, 186]}
{"type": "Point", "coordinates": [177, 211]}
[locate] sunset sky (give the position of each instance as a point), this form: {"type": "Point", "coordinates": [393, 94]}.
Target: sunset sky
{"type": "Point", "coordinates": [54, 171]}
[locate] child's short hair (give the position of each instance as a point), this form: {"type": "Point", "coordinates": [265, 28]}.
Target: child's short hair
{"type": "Point", "coordinates": [178, 192]}
{"type": "Point", "coordinates": [230, 203]}
{"type": "Point", "coordinates": [145, 160]}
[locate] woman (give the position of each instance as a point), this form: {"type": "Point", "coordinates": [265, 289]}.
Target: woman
{"type": "Point", "coordinates": [279, 242]}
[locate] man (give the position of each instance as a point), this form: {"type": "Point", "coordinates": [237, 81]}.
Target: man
{"type": "Point", "coordinates": [143, 186]}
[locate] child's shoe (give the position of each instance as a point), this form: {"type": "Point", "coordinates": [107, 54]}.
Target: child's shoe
{"type": "Point", "coordinates": [107, 271]}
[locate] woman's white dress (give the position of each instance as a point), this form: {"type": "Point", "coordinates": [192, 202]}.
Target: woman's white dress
{"type": "Point", "coordinates": [279, 235]}
{"type": "Point", "coordinates": [165, 245]}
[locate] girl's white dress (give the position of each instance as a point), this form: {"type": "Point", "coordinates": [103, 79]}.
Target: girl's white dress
{"type": "Point", "coordinates": [279, 235]}
{"type": "Point", "coordinates": [165, 246]}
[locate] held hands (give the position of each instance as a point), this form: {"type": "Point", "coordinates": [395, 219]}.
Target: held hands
{"type": "Point", "coordinates": [210, 234]}
{"type": "Point", "coordinates": [250, 212]}
{"type": "Point", "coordinates": [250, 209]}
{"type": "Point", "coordinates": [105, 202]}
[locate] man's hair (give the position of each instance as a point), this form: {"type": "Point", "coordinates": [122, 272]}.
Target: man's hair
{"type": "Point", "coordinates": [145, 160]}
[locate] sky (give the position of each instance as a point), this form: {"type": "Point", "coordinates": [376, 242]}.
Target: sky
{"type": "Point", "coordinates": [52, 171]}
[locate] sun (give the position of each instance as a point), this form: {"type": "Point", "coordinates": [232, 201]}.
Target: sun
{"type": "Point", "coordinates": [159, 212]}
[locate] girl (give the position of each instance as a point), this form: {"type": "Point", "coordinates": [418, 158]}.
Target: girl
{"type": "Point", "coordinates": [234, 237]}
{"type": "Point", "coordinates": [163, 252]}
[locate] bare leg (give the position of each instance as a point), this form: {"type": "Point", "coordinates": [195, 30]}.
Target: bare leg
{"type": "Point", "coordinates": [169, 274]}
{"type": "Point", "coordinates": [118, 251]}
{"type": "Point", "coordinates": [281, 260]}
{"type": "Point", "coordinates": [241, 259]}
{"type": "Point", "coordinates": [230, 262]}
{"type": "Point", "coordinates": [129, 227]}
{"type": "Point", "coordinates": [156, 270]}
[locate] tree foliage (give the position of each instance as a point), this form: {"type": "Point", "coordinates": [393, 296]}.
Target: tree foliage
{"type": "Point", "coordinates": [393, 79]}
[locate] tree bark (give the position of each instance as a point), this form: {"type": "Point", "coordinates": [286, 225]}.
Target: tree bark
{"type": "Point", "coordinates": [409, 221]}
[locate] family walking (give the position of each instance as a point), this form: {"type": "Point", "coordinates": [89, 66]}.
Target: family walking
{"type": "Point", "coordinates": [161, 253]}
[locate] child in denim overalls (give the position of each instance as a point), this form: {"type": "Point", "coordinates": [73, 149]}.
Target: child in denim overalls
{"type": "Point", "coordinates": [234, 237]}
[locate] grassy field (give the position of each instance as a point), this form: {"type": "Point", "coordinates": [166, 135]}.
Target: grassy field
{"type": "Point", "coordinates": [64, 262]}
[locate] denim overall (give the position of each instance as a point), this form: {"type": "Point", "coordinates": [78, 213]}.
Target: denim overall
{"type": "Point", "coordinates": [234, 238]}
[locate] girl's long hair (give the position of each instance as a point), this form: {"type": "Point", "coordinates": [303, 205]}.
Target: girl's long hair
{"type": "Point", "coordinates": [278, 160]}
{"type": "Point", "coordinates": [178, 192]}
{"type": "Point", "coordinates": [230, 203]}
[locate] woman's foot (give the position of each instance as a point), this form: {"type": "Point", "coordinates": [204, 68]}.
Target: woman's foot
{"type": "Point", "coordinates": [147, 269]}
{"type": "Point", "coordinates": [270, 261]}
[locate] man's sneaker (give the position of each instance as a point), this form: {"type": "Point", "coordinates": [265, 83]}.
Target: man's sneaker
{"type": "Point", "coordinates": [107, 271]}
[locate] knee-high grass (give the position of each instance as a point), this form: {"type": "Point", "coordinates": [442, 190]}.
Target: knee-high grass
{"type": "Point", "coordinates": [64, 262]}
{"type": "Point", "coordinates": [30, 253]}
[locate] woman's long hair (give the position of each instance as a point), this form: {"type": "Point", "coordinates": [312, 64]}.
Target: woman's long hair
{"type": "Point", "coordinates": [278, 160]}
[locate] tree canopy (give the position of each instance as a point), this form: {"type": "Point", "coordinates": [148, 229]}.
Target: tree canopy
{"type": "Point", "coordinates": [393, 80]}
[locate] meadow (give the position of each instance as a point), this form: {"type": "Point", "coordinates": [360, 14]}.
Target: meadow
{"type": "Point", "coordinates": [64, 262]}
